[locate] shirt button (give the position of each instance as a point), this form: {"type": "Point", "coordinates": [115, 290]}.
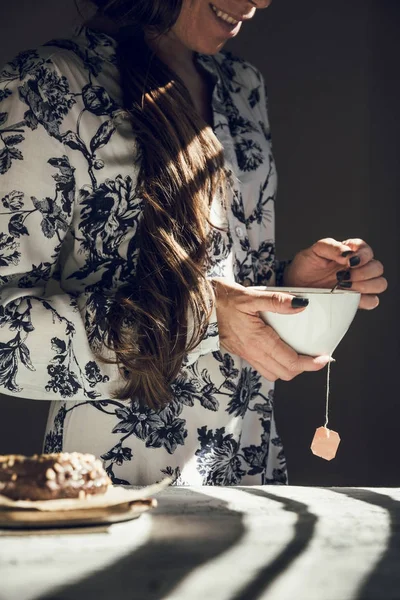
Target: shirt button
{"type": "Point", "coordinates": [246, 282]}
{"type": "Point", "coordinates": [239, 232]}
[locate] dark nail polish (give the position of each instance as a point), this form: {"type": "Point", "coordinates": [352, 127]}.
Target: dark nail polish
{"type": "Point", "coordinates": [347, 253]}
{"type": "Point", "coordinates": [343, 275]}
{"type": "Point", "coordinates": [354, 261]}
{"type": "Point", "coordinates": [300, 302]}
{"type": "Point", "coordinates": [345, 284]}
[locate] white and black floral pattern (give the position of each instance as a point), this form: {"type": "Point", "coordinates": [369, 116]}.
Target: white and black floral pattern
{"type": "Point", "coordinates": [69, 214]}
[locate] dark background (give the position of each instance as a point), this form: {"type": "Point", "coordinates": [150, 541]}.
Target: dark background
{"type": "Point", "coordinates": [333, 78]}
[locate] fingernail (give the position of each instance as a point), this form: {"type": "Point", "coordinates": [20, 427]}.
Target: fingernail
{"type": "Point", "coordinates": [343, 275]}
{"type": "Point", "coordinates": [298, 302]}
{"type": "Point", "coordinates": [347, 253]}
{"type": "Point", "coordinates": [354, 261]}
{"type": "Point", "coordinates": [345, 284]}
{"type": "Point", "coordinates": [325, 359]}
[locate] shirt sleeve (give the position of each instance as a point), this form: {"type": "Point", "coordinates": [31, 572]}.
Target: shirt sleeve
{"type": "Point", "coordinates": [209, 343]}
{"type": "Point", "coordinates": [46, 352]}
{"type": "Point", "coordinates": [44, 349]}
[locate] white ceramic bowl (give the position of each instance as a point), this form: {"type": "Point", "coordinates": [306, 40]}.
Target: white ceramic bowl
{"type": "Point", "coordinates": [319, 328]}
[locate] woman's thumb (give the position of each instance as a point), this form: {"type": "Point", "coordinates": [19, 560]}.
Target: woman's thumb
{"type": "Point", "coordinates": [277, 302]}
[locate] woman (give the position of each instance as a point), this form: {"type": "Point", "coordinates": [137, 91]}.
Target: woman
{"type": "Point", "coordinates": [138, 187]}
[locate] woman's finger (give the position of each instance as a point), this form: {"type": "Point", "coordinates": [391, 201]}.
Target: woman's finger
{"type": "Point", "coordinates": [260, 367]}
{"type": "Point", "coordinates": [360, 249]}
{"type": "Point", "coordinates": [270, 346]}
{"type": "Point", "coordinates": [310, 363]}
{"type": "Point", "coordinates": [369, 302]}
{"type": "Point", "coordinates": [279, 371]}
{"type": "Point", "coordinates": [331, 249]}
{"type": "Point", "coordinates": [371, 286]}
{"type": "Point", "coordinates": [264, 371]}
{"type": "Point", "coordinates": [269, 372]}
{"type": "Point", "coordinates": [371, 270]}
{"type": "Point", "coordinates": [351, 253]}
{"type": "Point", "coordinates": [255, 301]}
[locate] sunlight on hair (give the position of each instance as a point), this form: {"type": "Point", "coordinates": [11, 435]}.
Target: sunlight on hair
{"type": "Point", "coordinates": [164, 310]}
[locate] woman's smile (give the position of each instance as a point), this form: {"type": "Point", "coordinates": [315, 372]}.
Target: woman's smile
{"type": "Point", "coordinates": [205, 27]}
{"type": "Point", "coordinates": [224, 16]}
{"type": "Point", "coordinates": [228, 22]}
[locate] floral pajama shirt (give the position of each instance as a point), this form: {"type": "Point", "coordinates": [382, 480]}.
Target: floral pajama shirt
{"type": "Point", "coordinates": [69, 215]}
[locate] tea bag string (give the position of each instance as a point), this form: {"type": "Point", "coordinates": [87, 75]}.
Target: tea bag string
{"type": "Point", "coordinates": [328, 377]}
{"type": "Point", "coordinates": [327, 393]}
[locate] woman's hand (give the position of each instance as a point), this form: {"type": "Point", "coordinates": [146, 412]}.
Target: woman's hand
{"type": "Point", "coordinates": [350, 263]}
{"type": "Point", "coordinates": [243, 332]}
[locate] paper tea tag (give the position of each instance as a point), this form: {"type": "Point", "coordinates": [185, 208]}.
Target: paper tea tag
{"type": "Point", "coordinates": [325, 443]}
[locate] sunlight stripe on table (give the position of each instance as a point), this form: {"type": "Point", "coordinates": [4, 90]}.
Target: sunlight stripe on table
{"type": "Point", "coordinates": [348, 539]}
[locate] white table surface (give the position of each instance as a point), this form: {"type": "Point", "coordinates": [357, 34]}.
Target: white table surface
{"type": "Point", "coordinates": [247, 543]}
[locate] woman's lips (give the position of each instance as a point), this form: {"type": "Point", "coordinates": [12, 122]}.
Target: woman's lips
{"type": "Point", "coordinates": [229, 28]}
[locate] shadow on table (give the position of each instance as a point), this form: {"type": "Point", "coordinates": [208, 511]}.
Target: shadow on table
{"type": "Point", "coordinates": [386, 574]}
{"type": "Point", "coordinates": [171, 552]}
{"type": "Point", "coordinates": [303, 533]}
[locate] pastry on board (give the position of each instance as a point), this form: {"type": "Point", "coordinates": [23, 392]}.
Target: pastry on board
{"type": "Point", "coordinates": [52, 476]}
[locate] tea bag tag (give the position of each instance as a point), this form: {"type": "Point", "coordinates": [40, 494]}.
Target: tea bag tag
{"type": "Point", "coordinates": [325, 443]}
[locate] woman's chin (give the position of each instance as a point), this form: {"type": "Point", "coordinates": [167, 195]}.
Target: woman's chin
{"type": "Point", "coordinates": [211, 48]}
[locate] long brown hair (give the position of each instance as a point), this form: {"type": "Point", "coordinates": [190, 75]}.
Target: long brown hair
{"type": "Point", "coordinates": [181, 170]}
